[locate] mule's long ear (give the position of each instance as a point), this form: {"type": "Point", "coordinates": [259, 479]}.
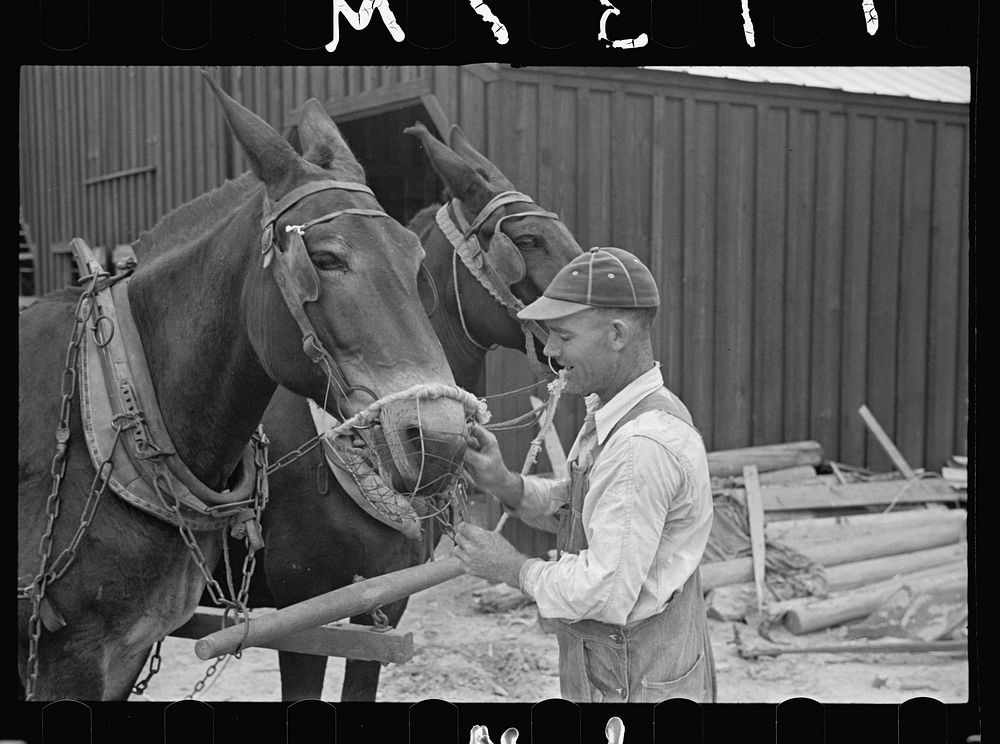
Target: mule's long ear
{"type": "Point", "coordinates": [271, 158]}
{"type": "Point", "coordinates": [460, 178]}
{"type": "Point", "coordinates": [460, 145]}
{"type": "Point", "coordinates": [321, 142]}
{"type": "Point", "coordinates": [509, 736]}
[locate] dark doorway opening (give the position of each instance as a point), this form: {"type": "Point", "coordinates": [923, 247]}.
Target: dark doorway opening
{"type": "Point", "coordinates": [396, 168]}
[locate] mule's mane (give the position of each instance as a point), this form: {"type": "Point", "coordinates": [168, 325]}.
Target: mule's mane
{"type": "Point", "coordinates": [197, 216]}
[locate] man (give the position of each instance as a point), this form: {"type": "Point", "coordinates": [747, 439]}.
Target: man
{"type": "Point", "coordinates": [633, 519]}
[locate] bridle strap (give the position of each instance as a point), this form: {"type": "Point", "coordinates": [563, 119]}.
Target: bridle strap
{"type": "Point", "coordinates": [466, 244]}
{"type": "Point", "coordinates": [293, 197]}
{"type": "Point", "coordinates": [296, 276]}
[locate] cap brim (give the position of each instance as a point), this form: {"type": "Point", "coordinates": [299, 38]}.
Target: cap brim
{"type": "Point", "coordinates": [546, 308]}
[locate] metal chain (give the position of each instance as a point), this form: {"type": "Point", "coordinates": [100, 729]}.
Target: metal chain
{"type": "Point", "coordinates": [200, 685]}
{"type": "Point", "coordinates": [154, 666]}
{"type": "Point", "coordinates": [238, 603]}
{"type": "Point", "coordinates": [290, 457]}
{"type": "Point", "coordinates": [36, 591]}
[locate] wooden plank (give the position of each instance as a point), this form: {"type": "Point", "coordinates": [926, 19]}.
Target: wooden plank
{"type": "Point", "coordinates": [854, 550]}
{"type": "Point", "coordinates": [766, 457]}
{"type": "Point", "coordinates": [914, 292]}
{"type": "Point", "coordinates": [346, 640]}
{"type": "Point", "coordinates": [805, 616]}
{"type": "Point", "coordinates": [779, 498]}
{"type": "Point", "coordinates": [732, 362]}
{"type": "Point", "coordinates": [942, 337]}
{"type": "Point", "coordinates": [825, 366]}
{"type": "Point", "coordinates": [546, 136]}
{"type": "Point", "coordinates": [769, 262]}
{"type": "Point", "coordinates": [961, 421]}
{"type": "Point", "coordinates": [755, 517]}
{"type": "Point", "coordinates": [858, 207]}
{"type": "Point", "coordinates": [673, 218]}
{"type": "Point", "coordinates": [373, 101]}
{"type": "Point", "coordinates": [562, 139]}
{"type": "Point", "coordinates": [699, 260]}
{"type": "Point", "coordinates": [883, 439]}
{"type": "Point", "coordinates": [883, 285]}
{"type": "Point", "coordinates": [798, 272]}
{"type": "Point", "coordinates": [861, 573]}
{"type": "Point", "coordinates": [800, 532]}
{"type": "Point", "coordinates": [884, 647]}
{"type": "Point", "coordinates": [348, 601]}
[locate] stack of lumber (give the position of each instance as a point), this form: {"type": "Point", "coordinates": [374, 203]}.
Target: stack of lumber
{"type": "Point", "coordinates": [870, 534]}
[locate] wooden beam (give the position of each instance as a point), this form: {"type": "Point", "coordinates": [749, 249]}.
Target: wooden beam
{"type": "Point", "coordinates": [766, 457]}
{"type": "Point", "coordinates": [807, 615]}
{"type": "Point", "coordinates": [337, 639]}
{"type": "Point", "coordinates": [798, 533]}
{"type": "Point", "coordinates": [375, 101]}
{"type": "Point", "coordinates": [755, 515]}
{"type": "Point", "coordinates": [887, 444]}
{"type": "Point", "coordinates": [921, 537]}
{"type": "Point", "coordinates": [832, 496]}
{"type": "Point", "coordinates": [888, 647]}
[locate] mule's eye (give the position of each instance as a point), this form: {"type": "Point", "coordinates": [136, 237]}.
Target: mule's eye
{"type": "Point", "coordinates": [326, 261]}
{"type": "Point", "coordinates": [526, 242]}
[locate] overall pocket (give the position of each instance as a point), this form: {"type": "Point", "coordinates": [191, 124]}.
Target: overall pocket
{"type": "Point", "coordinates": [607, 671]}
{"type": "Point", "coordinates": [693, 684]}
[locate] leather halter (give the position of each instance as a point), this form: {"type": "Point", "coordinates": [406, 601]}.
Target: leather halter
{"type": "Point", "coordinates": [466, 243]}
{"type": "Point", "coordinates": [295, 274]}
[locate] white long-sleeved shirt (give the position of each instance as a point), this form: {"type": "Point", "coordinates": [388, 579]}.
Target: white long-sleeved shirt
{"type": "Point", "coordinates": [646, 515]}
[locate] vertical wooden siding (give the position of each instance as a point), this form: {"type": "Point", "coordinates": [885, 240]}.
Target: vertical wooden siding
{"type": "Point", "coordinates": [106, 151]}
{"type": "Point", "coordinates": [811, 251]}
{"type": "Point", "coordinates": [811, 247]}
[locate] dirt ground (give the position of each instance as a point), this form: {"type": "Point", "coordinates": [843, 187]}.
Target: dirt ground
{"type": "Point", "coordinates": [464, 655]}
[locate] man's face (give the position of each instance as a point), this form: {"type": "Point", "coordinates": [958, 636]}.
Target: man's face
{"type": "Point", "coordinates": [581, 343]}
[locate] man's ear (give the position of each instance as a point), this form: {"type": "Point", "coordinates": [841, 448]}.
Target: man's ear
{"type": "Point", "coordinates": [621, 333]}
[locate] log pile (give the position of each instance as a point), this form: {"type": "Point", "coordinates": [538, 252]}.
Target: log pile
{"type": "Point", "coordinates": [869, 535]}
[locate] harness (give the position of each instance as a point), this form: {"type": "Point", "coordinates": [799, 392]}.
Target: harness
{"type": "Point", "coordinates": [118, 406]}
{"type": "Point", "coordinates": [496, 269]}
{"type": "Point", "coordinates": [294, 271]}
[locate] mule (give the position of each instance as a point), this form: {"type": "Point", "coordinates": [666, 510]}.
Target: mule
{"type": "Point", "coordinates": [316, 538]}
{"type": "Point", "coordinates": [218, 335]}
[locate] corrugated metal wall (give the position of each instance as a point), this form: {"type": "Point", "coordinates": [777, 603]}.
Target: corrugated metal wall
{"type": "Point", "coordinates": [811, 246]}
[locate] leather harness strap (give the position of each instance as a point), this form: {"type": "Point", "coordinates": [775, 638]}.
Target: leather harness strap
{"type": "Point", "coordinates": [295, 274]}
{"type": "Point", "coordinates": [466, 244]}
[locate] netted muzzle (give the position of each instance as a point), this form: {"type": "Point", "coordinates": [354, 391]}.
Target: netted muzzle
{"type": "Point", "coordinates": [426, 483]}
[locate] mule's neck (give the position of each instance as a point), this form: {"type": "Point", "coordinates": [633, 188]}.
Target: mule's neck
{"type": "Point", "coordinates": [210, 387]}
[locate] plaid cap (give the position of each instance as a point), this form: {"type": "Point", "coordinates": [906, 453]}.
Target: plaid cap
{"type": "Point", "coordinates": [601, 277]}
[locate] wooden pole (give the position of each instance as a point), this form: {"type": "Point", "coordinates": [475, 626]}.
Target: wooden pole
{"type": "Point", "coordinates": [923, 537]}
{"type": "Point", "coordinates": [722, 463]}
{"type": "Point", "coordinates": [883, 439]}
{"type": "Point", "coordinates": [891, 647]}
{"type": "Point", "coordinates": [859, 603]}
{"type": "Point", "coordinates": [339, 604]}
{"type": "Point", "coordinates": [755, 512]}
{"type": "Point", "coordinates": [362, 596]}
{"type": "Point", "coordinates": [797, 533]}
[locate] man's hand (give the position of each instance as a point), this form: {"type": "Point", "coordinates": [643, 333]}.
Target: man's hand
{"type": "Point", "coordinates": [487, 555]}
{"type": "Point", "coordinates": [484, 461]}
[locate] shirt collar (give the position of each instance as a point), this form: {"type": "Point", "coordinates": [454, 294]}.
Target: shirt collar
{"type": "Point", "coordinates": [607, 415]}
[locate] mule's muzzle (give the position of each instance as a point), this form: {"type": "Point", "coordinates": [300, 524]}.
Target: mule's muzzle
{"type": "Point", "coordinates": [423, 445]}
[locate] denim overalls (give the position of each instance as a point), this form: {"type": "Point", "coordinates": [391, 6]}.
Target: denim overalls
{"type": "Point", "coordinates": [664, 656]}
